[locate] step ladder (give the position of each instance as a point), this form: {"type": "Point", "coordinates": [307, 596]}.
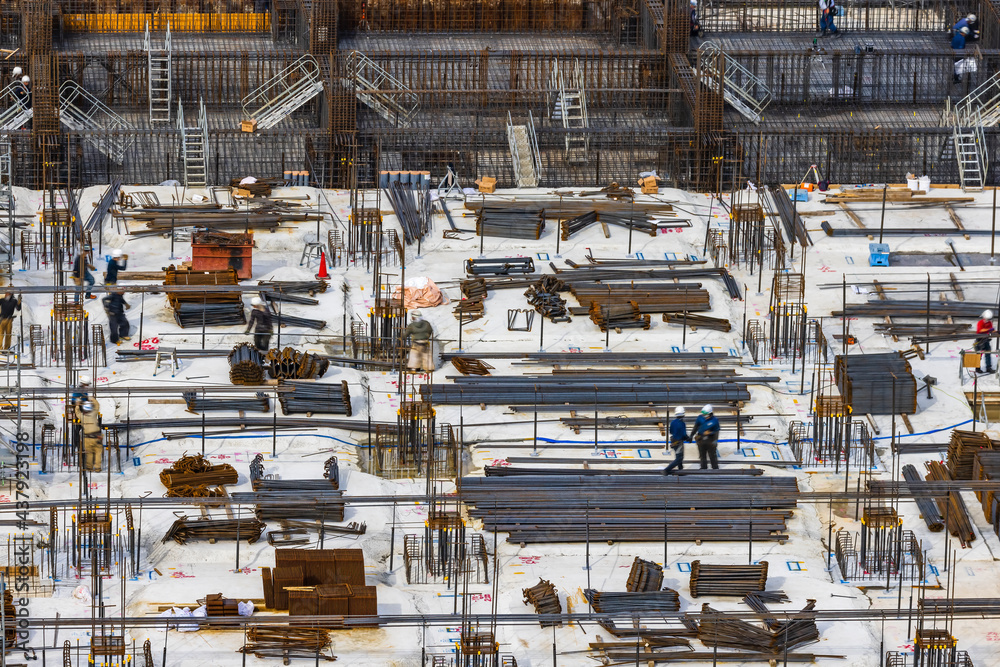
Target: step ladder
{"type": "Point", "coordinates": [105, 130]}
{"type": "Point", "coordinates": [970, 151]}
{"type": "Point", "coordinates": [194, 147]}
{"type": "Point", "coordinates": [17, 110]}
{"type": "Point", "coordinates": [284, 93]}
{"type": "Point", "coordinates": [159, 78]}
{"type": "Point", "coordinates": [380, 91]}
{"type": "Point", "coordinates": [740, 87]}
{"type": "Point", "coordinates": [569, 106]}
{"type": "Point", "coordinates": [167, 355]}
{"type": "Point", "coordinates": [524, 155]}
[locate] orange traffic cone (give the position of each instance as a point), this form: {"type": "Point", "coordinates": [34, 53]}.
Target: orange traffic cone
{"type": "Point", "coordinates": [323, 274]}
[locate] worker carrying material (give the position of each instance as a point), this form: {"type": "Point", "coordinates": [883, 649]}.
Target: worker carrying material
{"type": "Point", "coordinates": [119, 262]}
{"type": "Point", "coordinates": [8, 305]}
{"type": "Point", "coordinates": [81, 272]}
{"type": "Point", "coordinates": [421, 335]}
{"type": "Point", "coordinates": [261, 324]}
{"type": "Point", "coordinates": [88, 412]}
{"type": "Point", "coordinates": [115, 307]}
{"type": "Point", "coordinates": [984, 327]}
{"type": "Point", "coordinates": [678, 436]}
{"type": "Point", "coordinates": [706, 434]}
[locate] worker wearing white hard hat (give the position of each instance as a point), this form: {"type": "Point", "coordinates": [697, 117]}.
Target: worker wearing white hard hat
{"type": "Point", "coordinates": [706, 434]}
{"type": "Point", "coordinates": [88, 414]}
{"type": "Point", "coordinates": [421, 335]}
{"type": "Point", "coordinates": [16, 73]}
{"type": "Point", "coordinates": [261, 324]}
{"type": "Point", "coordinates": [119, 262]}
{"type": "Point", "coordinates": [678, 436]}
{"type": "Point", "coordinates": [984, 329]}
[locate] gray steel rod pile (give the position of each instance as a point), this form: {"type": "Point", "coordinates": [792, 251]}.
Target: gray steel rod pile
{"type": "Point", "coordinates": [561, 508]}
{"type": "Point", "coordinates": [197, 403]}
{"type": "Point", "coordinates": [313, 397]}
{"type": "Point", "coordinates": [735, 633]}
{"type": "Point", "coordinates": [407, 205]}
{"type": "Point", "coordinates": [952, 505]}
{"type": "Point", "coordinates": [288, 298]}
{"type": "Point", "coordinates": [193, 314]}
{"type": "Point", "coordinates": [516, 390]}
{"type": "Point", "coordinates": [644, 359]}
{"type": "Point", "coordinates": [185, 529]}
{"type": "Point", "coordinates": [606, 602]}
{"type": "Point", "coordinates": [795, 228]}
{"type": "Point", "coordinates": [290, 363]}
{"type": "Point", "coordinates": [586, 272]}
{"type": "Point", "coordinates": [284, 319]}
{"type": "Point", "coordinates": [286, 287]}
{"type": "Point", "coordinates": [710, 579]}
{"type": "Point", "coordinates": [509, 223]}
{"type": "Point", "coordinates": [325, 505]}
{"type": "Point", "coordinates": [499, 266]}
{"type": "Point", "coordinates": [877, 384]}
{"type": "Point", "coordinates": [928, 508]}
{"type": "Point", "coordinates": [246, 365]}
{"type": "Point", "coordinates": [986, 606]}
{"type": "Point", "coordinates": [891, 308]}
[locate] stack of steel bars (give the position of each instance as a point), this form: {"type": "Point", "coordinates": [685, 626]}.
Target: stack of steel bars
{"type": "Point", "coordinates": [644, 576]}
{"type": "Point", "coordinates": [648, 297]}
{"type": "Point", "coordinates": [525, 223]}
{"type": "Point", "coordinates": [412, 210]}
{"type": "Point", "coordinates": [618, 316]}
{"type": "Point", "coordinates": [716, 630]}
{"type": "Point", "coordinates": [544, 598]}
{"type": "Point", "coordinates": [962, 450]}
{"type": "Point", "coordinates": [325, 505]}
{"type": "Point", "coordinates": [710, 579]}
{"type": "Point", "coordinates": [987, 468]}
{"type": "Point", "coordinates": [634, 508]}
{"type": "Point", "coordinates": [698, 321]}
{"type": "Point", "coordinates": [190, 314]}
{"type": "Point", "coordinates": [605, 602]}
{"type": "Point", "coordinates": [285, 643]}
{"type": "Point", "coordinates": [290, 363]}
{"type": "Point", "coordinates": [245, 365]}
{"type": "Point", "coordinates": [544, 296]}
{"type": "Point", "coordinates": [315, 398]}
{"type": "Point", "coordinates": [196, 471]}
{"type": "Point", "coordinates": [951, 505]}
{"type": "Point", "coordinates": [198, 403]}
{"type": "Point", "coordinates": [877, 384]}
{"type": "Point", "coordinates": [286, 320]}
{"type": "Point", "coordinates": [928, 508]}
{"type": "Point", "coordinates": [285, 287]}
{"type": "Point", "coordinates": [185, 529]}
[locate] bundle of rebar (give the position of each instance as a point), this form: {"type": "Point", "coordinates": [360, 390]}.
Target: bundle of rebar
{"type": "Point", "coordinates": [698, 321]}
{"type": "Point", "coordinates": [285, 287]}
{"type": "Point", "coordinates": [499, 266]}
{"type": "Point", "coordinates": [509, 223]}
{"type": "Point", "coordinates": [469, 310]}
{"type": "Point", "coordinates": [544, 296]}
{"type": "Point", "coordinates": [196, 471]}
{"type": "Point", "coordinates": [544, 598]}
{"type": "Point", "coordinates": [245, 365]}
{"type": "Point", "coordinates": [709, 579]}
{"type": "Point", "coordinates": [629, 273]}
{"type": "Point", "coordinates": [618, 316]}
{"type": "Point", "coordinates": [929, 511]}
{"type": "Point", "coordinates": [195, 314]}
{"type": "Point", "coordinates": [274, 297]}
{"type": "Point", "coordinates": [648, 297]}
{"type": "Point", "coordinates": [876, 384]}
{"type": "Point", "coordinates": [221, 238]}
{"type": "Point", "coordinates": [260, 187]}
{"type": "Point", "coordinates": [893, 308]}
{"type": "Point", "coordinates": [605, 602]}
{"type": "Point", "coordinates": [962, 450]}
{"type": "Point", "coordinates": [315, 398]}
{"type": "Point", "coordinates": [795, 228]}
{"type": "Point", "coordinates": [758, 602]}
{"type": "Point", "coordinates": [285, 643]}
{"type": "Point", "coordinates": [986, 468]}
{"type": "Point", "coordinates": [474, 289]}
{"type": "Point", "coordinates": [185, 529]}
{"type": "Point", "coordinates": [467, 366]}
{"type": "Point", "coordinates": [951, 506]}
{"type": "Point", "coordinates": [286, 320]}
{"type": "Point", "coordinates": [717, 630]}
{"type": "Point", "coordinates": [321, 505]}
{"type": "Point", "coordinates": [411, 208]}
{"type": "Point", "coordinates": [543, 508]}
{"type": "Point", "coordinates": [198, 403]}
{"type": "Point", "coordinates": [644, 576]}
{"type": "Point", "coordinates": [290, 363]}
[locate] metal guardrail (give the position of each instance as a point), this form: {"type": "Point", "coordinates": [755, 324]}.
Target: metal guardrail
{"type": "Point", "coordinates": [283, 93]}
{"type": "Point", "coordinates": [81, 111]}
{"type": "Point", "coordinates": [18, 111]}
{"type": "Point", "coordinates": [741, 88]}
{"type": "Point", "coordinates": [380, 91]}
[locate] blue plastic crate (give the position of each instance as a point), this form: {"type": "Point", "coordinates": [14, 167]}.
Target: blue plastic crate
{"type": "Point", "coordinates": [878, 254]}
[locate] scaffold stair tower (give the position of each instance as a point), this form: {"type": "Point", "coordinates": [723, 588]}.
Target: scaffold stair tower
{"type": "Point", "coordinates": [380, 91]}
{"type": "Point", "coordinates": [741, 88]}
{"type": "Point", "coordinates": [82, 112]}
{"type": "Point", "coordinates": [569, 106]}
{"type": "Point", "coordinates": [524, 152]}
{"type": "Point", "coordinates": [159, 78]}
{"type": "Point", "coordinates": [284, 94]}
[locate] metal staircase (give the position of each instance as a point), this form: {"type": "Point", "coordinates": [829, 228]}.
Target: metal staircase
{"type": "Point", "coordinates": [741, 88]}
{"type": "Point", "coordinates": [380, 91]}
{"type": "Point", "coordinates": [284, 93]}
{"type": "Point", "coordinates": [159, 79]}
{"type": "Point", "coordinates": [18, 109]}
{"type": "Point", "coordinates": [106, 131]}
{"type": "Point", "coordinates": [524, 152]}
{"type": "Point", "coordinates": [970, 151]}
{"type": "Point", "coordinates": [985, 100]}
{"type": "Point", "coordinates": [194, 147]}
{"type": "Point", "coordinates": [569, 105]}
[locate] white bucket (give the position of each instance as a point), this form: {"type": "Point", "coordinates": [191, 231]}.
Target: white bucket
{"type": "Point", "coordinates": [925, 183]}
{"type": "Point", "coordinates": [912, 183]}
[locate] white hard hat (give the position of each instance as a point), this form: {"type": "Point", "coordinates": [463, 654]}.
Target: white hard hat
{"type": "Point", "coordinates": [971, 18]}
{"type": "Point", "coordinates": [415, 313]}
{"type": "Point", "coordinates": [256, 301]}
{"type": "Point", "coordinates": [116, 252]}
{"type": "Point", "coordinates": [965, 31]}
{"type": "Point", "coordinates": [25, 79]}
{"type": "Point", "coordinates": [707, 410]}
{"type": "Point", "coordinates": [84, 379]}
{"type": "Point", "coordinates": [17, 72]}
{"type": "Point", "coordinates": [987, 314]}
{"type": "Point", "coordinates": [679, 412]}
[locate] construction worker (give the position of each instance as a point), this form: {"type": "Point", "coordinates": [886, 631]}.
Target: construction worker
{"type": "Point", "coordinates": [706, 434]}
{"type": "Point", "coordinates": [696, 30]}
{"type": "Point", "coordinates": [80, 395]}
{"type": "Point", "coordinates": [827, 9]}
{"type": "Point", "coordinates": [17, 73]}
{"type": "Point", "coordinates": [88, 412]}
{"type": "Point", "coordinates": [81, 271]}
{"type": "Point", "coordinates": [421, 335]}
{"type": "Point", "coordinates": [119, 262]}
{"type": "Point", "coordinates": [678, 436]}
{"type": "Point", "coordinates": [115, 307]}
{"type": "Point", "coordinates": [984, 327]}
{"type": "Point", "coordinates": [970, 22]}
{"type": "Point", "coordinates": [260, 323]}
{"type": "Point", "coordinates": [958, 44]}
{"type": "Point", "coordinates": [8, 304]}
{"type": "Point", "coordinates": [23, 92]}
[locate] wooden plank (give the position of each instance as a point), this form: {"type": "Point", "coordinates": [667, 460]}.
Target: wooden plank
{"type": "Point", "coordinates": [871, 420]}
{"type": "Point", "coordinates": [166, 401]}
{"type": "Point", "coordinates": [909, 426]}
{"type": "Point", "coordinates": [956, 288]}
{"type": "Point", "coordinates": [852, 215]}
{"type": "Point", "coordinates": [955, 219]}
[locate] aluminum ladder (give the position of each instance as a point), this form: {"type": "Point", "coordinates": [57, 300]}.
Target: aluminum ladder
{"type": "Point", "coordinates": [159, 76]}
{"type": "Point", "coordinates": [969, 142]}
{"type": "Point", "coordinates": [741, 88]}
{"type": "Point", "coordinates": [380, 91]}
{"type": "Point", "coordinates": [18, 110]}
{"type": "Point", "coordinates": [570, 107]}
{"type": "Point", "coordinates": [286, 92]}
{"type": "Point", "coordinates": [6, 175]}
{"type": "Point", "coordinates": [106, 131]}
{"type": "Point", "coordinates": [194, 147]}
{"type": "Point", "coordinates": [524, 155]}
